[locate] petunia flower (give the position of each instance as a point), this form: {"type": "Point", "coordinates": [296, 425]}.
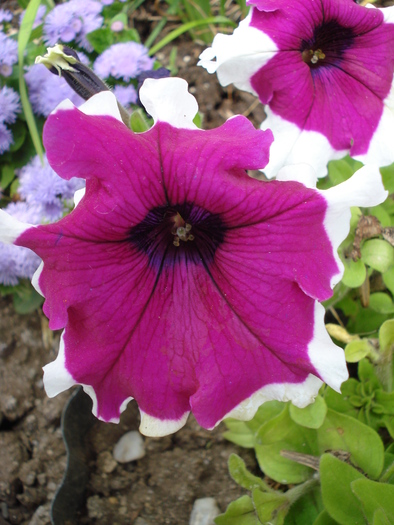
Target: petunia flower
{"type": "Point", "coordinates": [179, 280]}
{"type": "Point", "coordinates": [325, 71]}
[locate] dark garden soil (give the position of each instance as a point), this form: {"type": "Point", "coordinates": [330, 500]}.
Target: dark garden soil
{"type": "Point", "coordinates": [176, 470]}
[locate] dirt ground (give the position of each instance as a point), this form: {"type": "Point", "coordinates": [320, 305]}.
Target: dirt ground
{"type": "Point", "coordinates": [157, 489]}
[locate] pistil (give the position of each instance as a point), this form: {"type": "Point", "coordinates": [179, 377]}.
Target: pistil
{"type": "Point", "coordinates": [181, 230]}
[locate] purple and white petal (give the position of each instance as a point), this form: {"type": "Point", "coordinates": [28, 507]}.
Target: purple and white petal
{"type": "Point", "coordinates": [326, 85]}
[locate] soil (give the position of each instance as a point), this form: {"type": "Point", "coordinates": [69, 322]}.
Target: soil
{"type": "Point", "coordinates": [161, 487]}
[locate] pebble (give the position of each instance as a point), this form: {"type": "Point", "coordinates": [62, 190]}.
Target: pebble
{"type": "Point", "coordinates": [106, 463]}
{"type": "Point", "coordinates": [204, 512]}
{"type": "Point", "coordinates": [130, 447]}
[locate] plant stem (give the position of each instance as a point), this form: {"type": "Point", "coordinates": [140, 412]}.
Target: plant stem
{"type": "Point", "coordinates": [296, 492]}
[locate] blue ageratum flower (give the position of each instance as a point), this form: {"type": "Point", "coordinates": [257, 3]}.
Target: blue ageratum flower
{"type": "Point", "coordinates": [125, 60]}
{"type": "Point", "coordinates": [9, 108]}
{"type": "Point", "coordinates": [8, 54]}
{"type": "Point", "coordinates": [42, 188]}
{"type": "Point", "coordinates": [72, 22]}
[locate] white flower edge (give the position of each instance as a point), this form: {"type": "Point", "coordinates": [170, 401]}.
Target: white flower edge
{"type": "Point", "coordinates": [238, 56]}
{"type": "Point", "coordinates": [381, 146]}
{"type": "Point", "coordinates": [293, 145]}
{"type": "Point", "coordinates": [168, 100]}
{"type": "Point", "coordinates": [11, 228]}
{"type": "Point", "coordinates": [102, 104]}
{"type": "Point", "coordinates": [155, 427]}
{"type": "Point", "coordinates": [365, 189]}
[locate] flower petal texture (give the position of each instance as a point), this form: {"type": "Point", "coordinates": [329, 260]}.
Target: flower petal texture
{"type": "Point", "coordinates": [179, 280]}
{"type": "Point", "coordinates": [325, 71]}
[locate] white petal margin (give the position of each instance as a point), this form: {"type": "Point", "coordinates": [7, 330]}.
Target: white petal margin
{"type": "Point", "coordinates": [102, 104]}
{"type": "Point", "coordinates": [78, 196]}
{"type": "Point", "coordinates": [154, 427]}
{"type": "Point", "coordinates": [364, 189]}
{"type": "Point", "coordinates": [238, 56]}
{"type": "Point", "coordinates": [36, 277]}
{"type": "Point", "coordinates": [168, 100]}
{"type": "Point", "coordinates": [300, 394]}
{"type": "Point", "coordinates": [381, 147]}
{"type": "Point", "coordinates": [293, 145]}
{"type": "Point", "coordinates": [11, 228]}
{"type": "Point", "coordinates": [56, 377]}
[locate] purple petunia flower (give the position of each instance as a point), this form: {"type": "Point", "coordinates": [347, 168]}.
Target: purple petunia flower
{"type": "Point", "coordinates": [9, 105]}
{"type": "Point", "coordinates": [6, 138]}
{"type": "Point", "coordinates": [180, 281]}
{"type": "Point", "coordinates": [40, 186]}
{"type": "Point", "coordinates": [8, 54]}
{"type": "Point", "coordinates": [73, 21]}
{"type": "Point", "coordinates": [17, 262]}
{"type": "Point", "coordinates": [325, 71]}
{"type": "Point", "coordinates": [46, 90]}
{"type": "Point", "coordinates": [125, 60]}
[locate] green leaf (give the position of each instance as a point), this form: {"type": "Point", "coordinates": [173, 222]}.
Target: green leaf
{"type": "Point", "coordinates": [311, 416]}
{"type": "Point", "coordinates": [388, 469]}
{"type": "Point", "coordinates": [243, 477]}
{"type": "Point", "coordinates": [338, 498]}
{"type": "Point", "coordinates": [324, 519]}
{"type": "Point", "coordinates": [7, 176]}
{"type": "Point", "coordinates": [388, 279]}
{"type": "Point", "coordinates": [388, 177]}
{"type": "Point", "coordinates": [239, 433]}
{"type": "Point", "coordinates": [386, 335]}
{"type": "Point", "coordinates": [265, 412]}
{"type": "Point", "coordinates": [282, 433]}
{"type": "Point", "coordinates": [128, 35]}
{"type": "Point", "coordinates": [306, 509]}
{"type": "Point", "coordinates": [19, 135]}
{"type": "Point", "coordinates": [379, 518]}
{"type": "Point", "coordinates": [378, 254]}
{"type": "Point", "coordinates": [239, 512]}
{"type": "Point", "coordinates": [381, 214]}
{"type": "Point", "coordinates": [357, 350]}
{"type": "Point", "coordinates": [339, 171]}
{"type": "Point", "coordinates": [341, 432]}
{"type": "Point", "coordinates": [340, 402]}
{"type": "Point", "coordinates": [375, 496]}
{"type": "Point", "coordinates": [28, 301]}
{"type": "Point", "coordinates": [269, 504]}
{"type": "Point", "coordinates": [138, 121]}
{"type": "Point", "coordinates": [100, 39]}
{"type": "Point", "coordinates": [381, 302]}
{"type": "Point", "coordinates": [355, 272]}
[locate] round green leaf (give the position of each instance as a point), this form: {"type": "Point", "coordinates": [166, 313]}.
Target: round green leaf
{"type": "Point", "coordinates": [342, 432]}
{"type": "Point", "coordinates": [354, 274]}
{"type": "Point", "coordinates": [378, 254]}
{"type": "Point", "coordinates": [381, 302]}
{"type": "Point", "coordinates": [386, 335]}
{"type": "Point", "coordinates": [311, 416]}
{"type": "Point", "coordinates": [324, 519]}
{"type": "Point", "coordinates": [388, 279]}
{"type": "Point", "coordinates": [357, 350]}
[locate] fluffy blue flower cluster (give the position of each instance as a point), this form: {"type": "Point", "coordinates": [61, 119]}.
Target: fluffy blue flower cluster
{"type": "Point", "coordinates": [9, 108]}
{"type": "Point", "coordinates": [46, 198]}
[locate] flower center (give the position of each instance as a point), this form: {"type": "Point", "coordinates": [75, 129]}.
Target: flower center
{"type": "Point", "coordinates": [327, 46]}
{"type": "Point", "coordinates": [181, 230]}
{"type": "Point", "coordinates": [184, 232]}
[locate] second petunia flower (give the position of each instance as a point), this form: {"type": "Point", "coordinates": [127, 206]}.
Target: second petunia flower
{"type": "Point", "coordinates": [179, 280]}
{"type": "Point", "coordinates": [324, 69]}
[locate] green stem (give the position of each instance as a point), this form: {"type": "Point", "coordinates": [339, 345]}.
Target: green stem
{"type": "Point", "coordinates": [297, 492]}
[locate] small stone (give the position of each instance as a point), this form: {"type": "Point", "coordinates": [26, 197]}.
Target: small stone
{"type": "Point", "coordinates": [204, 512]}
{"type": "Point", "coordinates": [129, 447]}
{"type": "Point", "coordinates": [106, 463]}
